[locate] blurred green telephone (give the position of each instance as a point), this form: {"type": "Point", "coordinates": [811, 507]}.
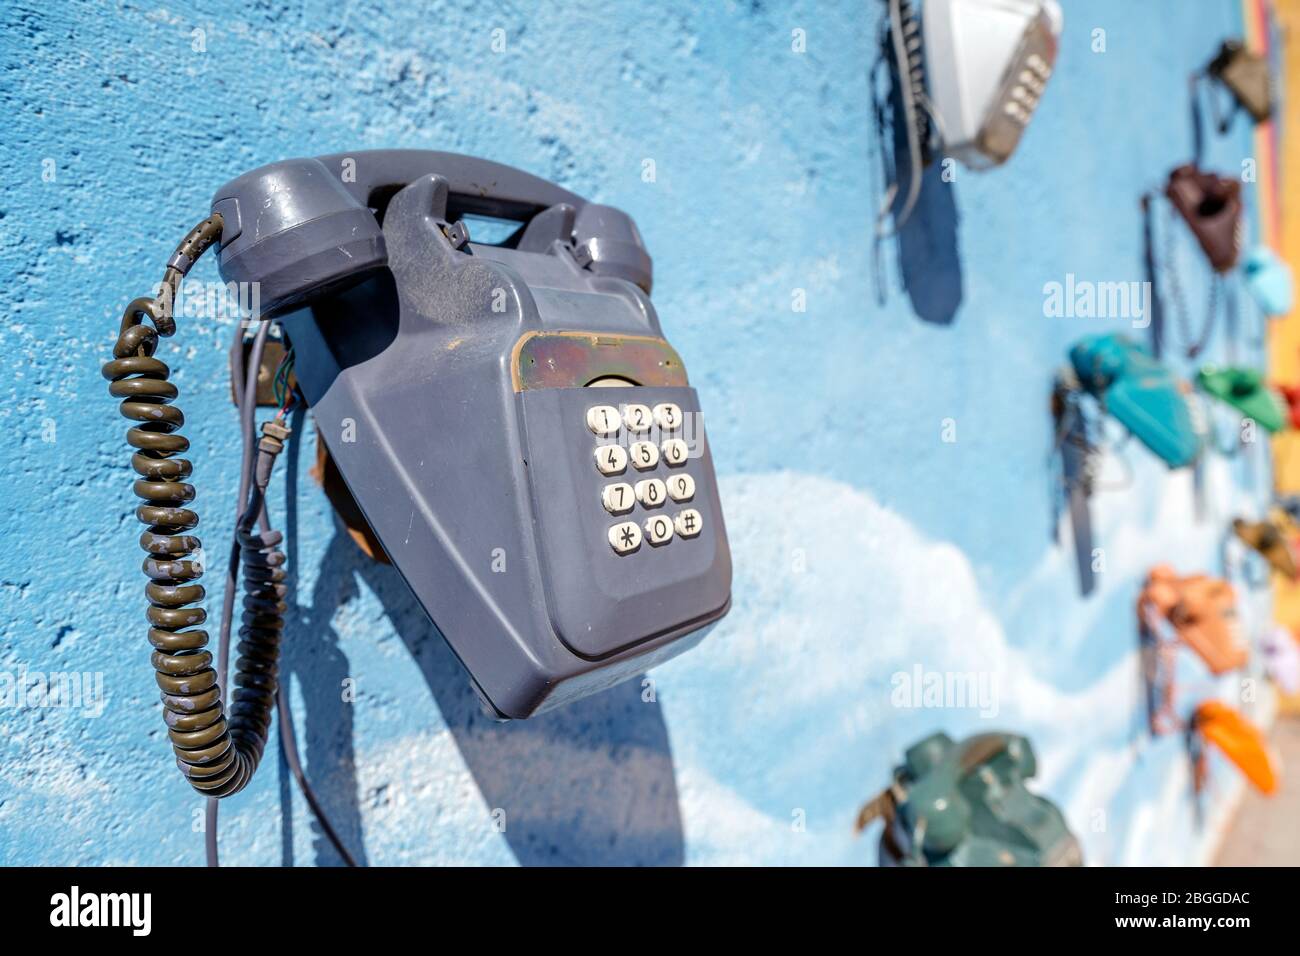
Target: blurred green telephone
{"type": "Point", "coordinates": [966, 805]}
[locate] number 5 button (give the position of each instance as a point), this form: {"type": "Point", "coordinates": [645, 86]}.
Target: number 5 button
{"type": "Point", "coordinates": [651, 492]}
{"type": "Point", "coordinates": [644, 454]}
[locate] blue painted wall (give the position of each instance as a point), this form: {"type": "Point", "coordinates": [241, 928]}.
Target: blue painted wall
{"type": "Point", "coordinates": [864, 544]}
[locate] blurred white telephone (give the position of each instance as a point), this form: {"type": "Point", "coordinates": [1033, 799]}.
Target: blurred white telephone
{"type": "Point", "coordinates": [970, 75]}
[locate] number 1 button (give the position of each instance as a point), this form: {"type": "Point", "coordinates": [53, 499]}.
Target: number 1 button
{"type": "Point", "coordinates": [604, 420]}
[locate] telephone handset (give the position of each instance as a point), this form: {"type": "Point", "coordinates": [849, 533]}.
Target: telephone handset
{"type": "Point", "coordinates": [512, 423]}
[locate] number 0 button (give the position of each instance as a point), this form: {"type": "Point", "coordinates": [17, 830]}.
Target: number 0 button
{"type": "Point", "coordinates": [659, 530]}
{"type": "Point", "coordinates": [611, 459]}
{"type": "Point", "coordinates": [604, 420]}
{"type": "Point", "coordinates": [688, 522]}
{"type": "Point", "coordinates": [625, 537]}
{"type": "Point", "coordinates": [668, 416]}
{"type": "Point", "coordinates": [651, 492]}
{"type": "Point", "coordinates": [681, 487]}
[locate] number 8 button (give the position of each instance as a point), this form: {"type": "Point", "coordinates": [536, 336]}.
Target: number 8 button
{"type": "Point", "coordinates": [650, 492]}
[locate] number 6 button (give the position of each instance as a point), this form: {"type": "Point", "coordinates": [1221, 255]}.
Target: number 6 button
{"type": "Point", "coordinates": [675, 451]}
{"type": "Point", "coordinates": [650, 492]}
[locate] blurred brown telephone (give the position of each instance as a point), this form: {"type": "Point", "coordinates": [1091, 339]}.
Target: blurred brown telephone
{"type": "Point", "coordinates": [1211, 206]}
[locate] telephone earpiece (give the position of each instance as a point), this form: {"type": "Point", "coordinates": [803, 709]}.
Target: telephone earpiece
{"type": "Point", "coordinates": [304, 228]}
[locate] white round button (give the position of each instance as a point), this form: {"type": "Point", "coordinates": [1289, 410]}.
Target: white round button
{"type": "Point", "coordinates": [611, 459]}
{"type": "Point", "coordinates": [603, 420]}
{"type": "Point", "coordinates": [659, 530]}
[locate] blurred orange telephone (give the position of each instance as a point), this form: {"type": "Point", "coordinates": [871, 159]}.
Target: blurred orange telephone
{"type": "Point", "coordinates": [1241, 742]}
{"type": "Point", "coordinates": [1203, 613]}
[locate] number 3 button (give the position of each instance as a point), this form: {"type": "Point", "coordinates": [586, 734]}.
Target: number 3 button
{"type": "Point", "coordinates": [668, 416]}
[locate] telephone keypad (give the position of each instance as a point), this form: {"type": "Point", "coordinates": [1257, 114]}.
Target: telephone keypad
{"type": "Point", "coordinates": [645, 455]}
{"type": "Point", "coordinates": [620, 498]}
{"type": "Point", "coordinates": [611, 459]}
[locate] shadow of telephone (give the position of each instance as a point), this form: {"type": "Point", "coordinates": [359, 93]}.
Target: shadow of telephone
{"type": "Point", "coordinates": [508, 418]}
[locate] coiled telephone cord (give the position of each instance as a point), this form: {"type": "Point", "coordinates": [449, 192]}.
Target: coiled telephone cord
{"type": "Point", "coordinates": [216, 751]}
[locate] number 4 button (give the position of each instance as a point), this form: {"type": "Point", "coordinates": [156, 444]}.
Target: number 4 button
{"type": "Point", "coordinates": [611, 459]}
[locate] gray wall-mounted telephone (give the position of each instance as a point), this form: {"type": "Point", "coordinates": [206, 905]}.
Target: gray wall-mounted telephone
{"type": "Point", "coordinates": [562, 535]}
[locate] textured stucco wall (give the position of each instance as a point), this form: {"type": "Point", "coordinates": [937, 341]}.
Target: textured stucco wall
{"type": "Point", "coordinates": [864, 545]}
